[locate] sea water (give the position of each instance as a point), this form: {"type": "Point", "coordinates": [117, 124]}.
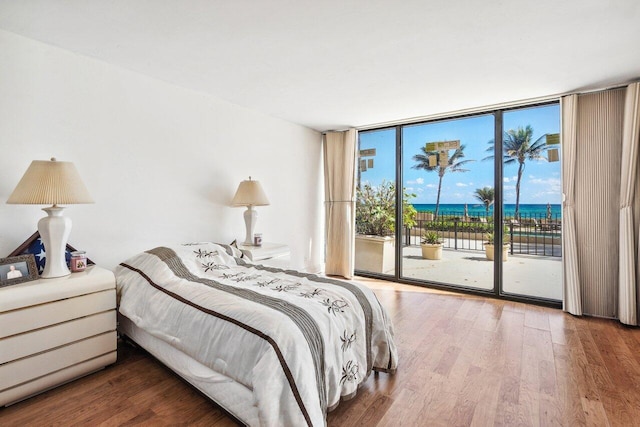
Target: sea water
{"type": "Point", "coordinates": [526, 210]}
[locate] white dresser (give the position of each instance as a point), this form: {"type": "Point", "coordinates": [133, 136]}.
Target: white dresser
{"type": "Point", "coordinates": [269, 254]}
{"type": "Point", "coordinates": [55, 330]}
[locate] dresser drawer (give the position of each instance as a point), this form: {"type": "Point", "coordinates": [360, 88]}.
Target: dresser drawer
{"type": "Point", "coordinates": [22, 345]}
{"type": "Point", "coordinates": [18, 393]}
{"type": "Point", "coordinates": [38, 316]}
{"type": "Point", "coordinates": [41, 364]}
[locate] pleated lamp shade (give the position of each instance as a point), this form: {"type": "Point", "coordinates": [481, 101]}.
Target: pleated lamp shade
{"type": "Point", "coordinates": [50, 182]}
{"type": "Point", "coordinates": [250, 193]}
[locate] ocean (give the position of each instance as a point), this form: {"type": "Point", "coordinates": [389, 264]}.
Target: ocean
{"type": "Point", "coordinates": [526, 210]}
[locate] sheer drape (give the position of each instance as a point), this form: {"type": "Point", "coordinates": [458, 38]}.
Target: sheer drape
{"type": "Point", "coordinates": [572, 301]}
{"type": "Point", "coordinates": [340, 183]}
{"type": "Point", "coordinates": [628, 280]}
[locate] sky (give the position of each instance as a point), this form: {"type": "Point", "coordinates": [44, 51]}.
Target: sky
{"type": "Point", "coordinates": [540, 181]}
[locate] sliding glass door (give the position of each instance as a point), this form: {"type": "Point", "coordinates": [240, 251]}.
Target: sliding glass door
{"type": "Point", "coordinates": [376, 203]}
{"type": "Point", "coordinates": [469, 202]}
{"type": "Point", "coordinates": [452, 189]}
{"type": "Point", "coordinates": [532, 197]}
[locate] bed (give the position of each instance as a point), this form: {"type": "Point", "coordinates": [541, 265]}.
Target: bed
{"type": "Point", "coordinates": [270, 346]}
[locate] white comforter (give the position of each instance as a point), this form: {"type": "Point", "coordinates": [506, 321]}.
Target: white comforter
{"type": "Point", "coordinates": [300, 342]}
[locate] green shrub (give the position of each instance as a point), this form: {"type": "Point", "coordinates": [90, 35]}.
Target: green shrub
{"type": "Point", "coordinates": [431, 238]}
{"type": "Point", "coordinates": [376, 209]}
{"type": "Point", "coordinates": [505, 236]}
{"type": "Point", "coordinates": [467, 227]}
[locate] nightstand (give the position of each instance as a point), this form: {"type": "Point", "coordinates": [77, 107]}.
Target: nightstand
{"type": "Point", "coordinates": [270, 254]}
{"type": "Point", "coordinates": [55, 330]}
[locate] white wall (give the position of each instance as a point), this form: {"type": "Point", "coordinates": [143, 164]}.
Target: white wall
{"type": "Point", "coordinates": [161, 162]}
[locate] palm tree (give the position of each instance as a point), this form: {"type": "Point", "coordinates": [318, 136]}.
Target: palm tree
{"type": "Point", "coordinates": [486, 195]}
{"type": "Point", "coordinates": [517, 147]}
{"type": "Point", "coordinates": [454, 165]}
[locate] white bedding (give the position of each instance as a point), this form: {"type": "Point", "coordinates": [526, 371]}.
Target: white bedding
{"type": "Point", "coordinates": [235, 398]}
{"type": "Point", "coordinates": [299, 342]}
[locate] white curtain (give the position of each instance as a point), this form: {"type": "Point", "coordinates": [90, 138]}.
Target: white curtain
{"type": "Point", "coordinates": [572, 298]}
{"type": "Point", "coordinates": [340, 206]}
{"type": "Point", "coordinates": [628, 284]}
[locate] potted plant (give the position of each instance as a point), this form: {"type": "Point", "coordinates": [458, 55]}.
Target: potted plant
{"type": "Point", "coordinates": [376, 226]}
{"type": "Point", "coordinates": [431, 245]}
{"type": "Point", "coordinates": [489, 246]}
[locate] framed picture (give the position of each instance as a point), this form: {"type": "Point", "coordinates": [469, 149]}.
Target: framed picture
{"type": "Point", "coordinates": [18, 269]}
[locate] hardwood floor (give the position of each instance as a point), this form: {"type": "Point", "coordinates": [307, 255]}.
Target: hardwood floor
{"type": "Point", "coordinates": [464, 361]}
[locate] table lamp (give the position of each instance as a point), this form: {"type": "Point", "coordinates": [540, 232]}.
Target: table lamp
{"type": "Point", "coordinates": [52, 182]}
{"type": "Point", "coordinates": [250, 194]}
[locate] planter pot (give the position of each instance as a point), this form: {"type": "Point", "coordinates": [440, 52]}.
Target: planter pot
{"type": "Point", "coordinates": [489, 251]}
{"type": "Point", "coordinates": [375, 254]}
{"type": "Point", "coordinates": [431, 251]}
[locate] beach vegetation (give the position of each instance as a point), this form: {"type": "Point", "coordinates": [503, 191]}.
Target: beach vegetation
{"type": "Point", "coordinates": [457, 225]}
{"type": "Point", "coordinates": [376, 209]}
{"type": "Point", "coordinates": [518, 147]}
{"type": "Point", "coordinates": [454, 164]}
{"type": "Point", "coordinates": [486, 195]}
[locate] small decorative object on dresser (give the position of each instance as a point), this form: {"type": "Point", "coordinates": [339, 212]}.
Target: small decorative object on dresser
{"type": "Point", "coordinates": [34, 246]}
{"type": "Point", "coordinates": [54, 331]}
{"type": "Point", "coordinates": [17, 269]}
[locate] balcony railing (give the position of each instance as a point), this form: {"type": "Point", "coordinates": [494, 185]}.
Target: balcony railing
{"type": "Point", "coordinates": [531, 234]}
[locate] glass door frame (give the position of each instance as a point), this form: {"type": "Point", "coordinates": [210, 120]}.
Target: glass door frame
{"type": "Point", "coordinates": [498, 209]}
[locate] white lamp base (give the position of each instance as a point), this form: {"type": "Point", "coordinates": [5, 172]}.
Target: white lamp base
{"type": "Point", "coordinates": [250, 219]}
{"type": "Point", "coordinates": [54, 231]}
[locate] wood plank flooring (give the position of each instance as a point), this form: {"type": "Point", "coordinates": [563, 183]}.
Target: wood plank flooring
{"type": "Point", "coordinates": [464, 361]}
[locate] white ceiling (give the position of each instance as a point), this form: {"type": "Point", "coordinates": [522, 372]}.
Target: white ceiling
{"type": "Point", "coordinates": [330, 64]}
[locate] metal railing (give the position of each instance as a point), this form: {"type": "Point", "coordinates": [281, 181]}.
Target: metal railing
{"type": "Point", "coordinates": [531, 234]}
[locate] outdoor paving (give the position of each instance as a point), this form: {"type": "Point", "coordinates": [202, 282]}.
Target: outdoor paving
{"type": "Point", "coordinates": [539, 276]}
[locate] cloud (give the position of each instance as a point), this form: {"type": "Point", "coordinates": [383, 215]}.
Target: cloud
{"type": "Point", "coordinates": [549, 181]}
{"type": "Point", "coordinates": [431, 186]}
{"type": "Point", "coordinates": [540, 194]}
{"type": "Point", "coordinates": [414, 190]}
{"type": "Point", "coordinates": [418, 181]}
{"type": "Point", "coordinates": [506, 179]}
{"type": "Point", "coordinates": [553, 185]}
{"type": "Point", "coordinates": [460, 184]}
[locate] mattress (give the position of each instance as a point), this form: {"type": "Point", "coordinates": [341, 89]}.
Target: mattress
{"type": "Point", "coordinates": [298, 343]}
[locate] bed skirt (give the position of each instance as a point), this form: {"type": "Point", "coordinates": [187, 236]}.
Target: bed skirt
{"type": "Point", "coordinates": [233, 397]}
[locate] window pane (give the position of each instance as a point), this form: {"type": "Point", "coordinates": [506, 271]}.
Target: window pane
{"type": "Point", "coordinates": [532, 195]}
{"type": "Point", "coordinates": [376, 206]}
{"type": "Point", "coordinates": [443, 169]}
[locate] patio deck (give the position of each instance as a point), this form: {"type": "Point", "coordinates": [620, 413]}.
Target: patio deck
{"type": "Point", "coordinates": [539, 276]}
